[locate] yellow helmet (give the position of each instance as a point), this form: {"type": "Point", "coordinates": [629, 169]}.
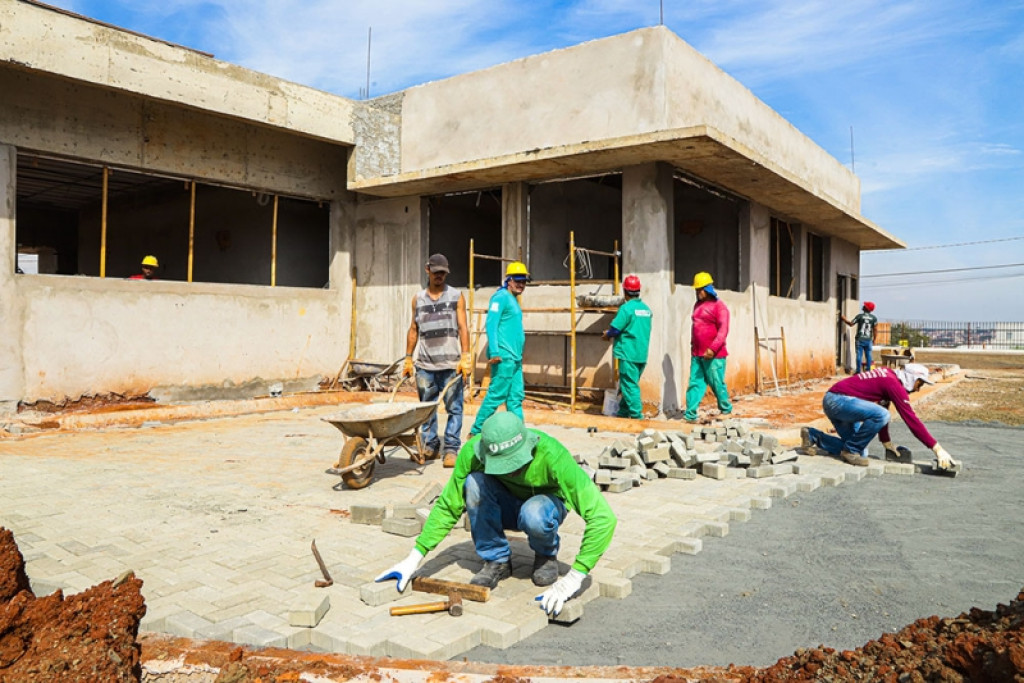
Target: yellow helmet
{"type": "Point", "coordinates": [150, 261]}
{"type": "Point", "coordinates": [516, 268]}
{"type": "Point", "coordinates": [702, 280]}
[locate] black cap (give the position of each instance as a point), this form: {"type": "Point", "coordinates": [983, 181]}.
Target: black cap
{"type": "Point", "coordinates": [437, 263]}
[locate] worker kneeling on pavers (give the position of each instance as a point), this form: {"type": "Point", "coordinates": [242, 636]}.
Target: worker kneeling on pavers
{"type": "Point", "coordinates": [858, 408]}
{"type": "Point", "coordinates": [511, 477]}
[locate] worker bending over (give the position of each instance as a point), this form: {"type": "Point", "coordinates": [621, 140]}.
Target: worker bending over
{"type": "Point", "coordinates": [631, 332]}
{"type": "Point", "coordinates": [511, 477]}
{"type": "Point", "coordinates": [858, 408]}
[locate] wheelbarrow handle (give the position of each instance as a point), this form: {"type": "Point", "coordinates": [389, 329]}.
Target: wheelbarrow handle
{"type": "Point", "coordinates": [440, 397]}
{"type": "Point", "coordinates": [394, 390]}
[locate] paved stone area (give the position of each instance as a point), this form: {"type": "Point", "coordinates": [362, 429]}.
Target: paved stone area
{"type": "Point", "coordinates": [217, 518]}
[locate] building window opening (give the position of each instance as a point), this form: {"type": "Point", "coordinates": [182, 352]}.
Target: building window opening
{"type": "Point", "coordinates": [86, 219]}
{"type": "Point", "coordinates": [590, 208]}
{"type": "Point", "coordinates": [815, 267]}
{"type": "Point", "coordinates": [706, 232]}
{"type": "Point", "coordinates": [456, 218]}
{"type": "Point", "coordinates": [782, 282]}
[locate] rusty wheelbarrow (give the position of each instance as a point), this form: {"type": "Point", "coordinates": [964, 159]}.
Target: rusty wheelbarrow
{"type": "Point", "coordinates": [371, 428]}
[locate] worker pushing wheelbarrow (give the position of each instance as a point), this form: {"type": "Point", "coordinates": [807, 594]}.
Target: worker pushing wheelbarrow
{"type": "Point", "coordinates": [370, 429]}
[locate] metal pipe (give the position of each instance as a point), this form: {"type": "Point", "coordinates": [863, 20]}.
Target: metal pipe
{"type": "Point", "coordinates": [572, 314]}
{"type": "Point", "coordinates": [103, 223]}
{"type": "Point", "coordinates": [615, 282]}
{"type": "Point", "coordinates": [469, 315]}
{"type": "Point", "coordinates": [352, 320]}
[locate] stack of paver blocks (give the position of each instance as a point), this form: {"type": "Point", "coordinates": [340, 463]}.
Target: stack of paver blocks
{"type": "Point", "coordinates": [725, 451]}
{"type": "Point", "coordinates": [405, 519]}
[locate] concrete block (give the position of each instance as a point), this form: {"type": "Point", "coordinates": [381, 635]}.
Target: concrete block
{"type": "Point", "coordinates": [620, 485]}
{"type": "Point", "coordinates": [783, 489]}
{"type": "Point", "coordinates": [572, 610]}
{"type": "Point", "coordinates": [634, 457]}
{"type": "Point", "coordinates": [645, 442]}
{"type": "Point", "coordinates": [761, 471]}
{"type": "Point", "coordinates": [185, 624]}
{"type": "Point", "coordinates": [689, 546]}
{"type": "Point", "coordinates": [258, 636]}
{"type": "Point", "coordinates": [898, 468]}
{"type": "Point", "coordinates": [872, 470]}
{"type": "Point", "coordinates": [603, 477]}
{"type": "Point", "coordinates": [655, 564]}
{"type": "Point", "coordinates": [621, 446]}
{"type": "Point", "coordinates": [651, 475]}
{"type": "Point", "coordinates": [714, 470]}
{"type": "Point", "coordinates": [701, 458]}
{"type": "Point", "coordinates": [733, 446]}
{"type": "Point", "coordinates": [760, 503]}
{"type": "Point", "coordinates": [716, 529]}
{"type": "Point", "coordinates": [660, 453]}
{"type": "Point", "coordinates": [496, 633]}
{"type": "Point", "coordinates": [854, 475]}
{"type": "Point", "coordinates": [833, 479]}
{"type": "Point", "coordinates": [427, 495]}
{"type": "Point", "coordinates": [739, 515]}
{"type": "Point", "coordinates": [610, 463]}
{"type": "Point", "coordinates": [367, 514]}
{"type": "Point", "coordinates": [615, 587]}
{"type": "Point", "coordinates": [783, 456]}
{"type": "Point", "coordinates": [739, 460]}
{"type": "Point", "coordinates": [402, 527]}
{"type": "Point", "coordinates": [768, 442]}
{"type": "Point", "coordinates": [799, 469]}
{"type": "Point", "coordinates": [809, 484]}
{"type": "Point", "coordinates": [681, 473]}
{"type": "Point", "coordinates": [661, 468]}
{"type": "Point", "coordinates": [377, 594]}
{"type": "Point", "coordinates": [784, 468]}
{"type": "Point", "coordinates": [404, 511]}
{"type": "Point", "coordinates": [654, 434]}
{"type": "Point", "coordinates": [309, 608]}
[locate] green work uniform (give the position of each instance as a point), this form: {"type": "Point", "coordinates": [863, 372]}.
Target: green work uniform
{"type": "Point", "coordinates": [634, 323]}
{"type": "Point", "coordinates": [553, 471]}
{"type": "Point", "coordinates": [505, 339]}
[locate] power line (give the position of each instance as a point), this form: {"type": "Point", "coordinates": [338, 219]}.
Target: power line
{"type": "Point", "coordinates": [944, 270]}
{"type": "Point", "coordinates": [945, 281]}
{"type": "Point", "coordinates": [943, 246]}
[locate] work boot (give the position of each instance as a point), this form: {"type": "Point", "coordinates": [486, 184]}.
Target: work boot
{"type": "Point", "coordinates": [545, 569]}
{"type": "Point", "coordinates": [449, 459]}
{"type": "Point", "coordinates": [492, 573]}
{"type": "Point", "coordinates": [854, 459]}
{"type": "Point", "coordinates": [429, 453]}
{"type": "Point", "coordinates": [807, 445]}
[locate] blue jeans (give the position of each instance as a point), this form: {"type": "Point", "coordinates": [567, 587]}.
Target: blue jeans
{"type": "Point", "coordinates": [492, 509]}
{"type": "Point", "coordinates": [856, 421]}
{"type": "Point", "coordinates": [863, 350]}
{"type": "Point", "coordinates": [428, 385]}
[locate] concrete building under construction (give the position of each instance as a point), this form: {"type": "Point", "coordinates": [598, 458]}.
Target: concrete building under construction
{"type": "Point", "coordinates": [292, 225]}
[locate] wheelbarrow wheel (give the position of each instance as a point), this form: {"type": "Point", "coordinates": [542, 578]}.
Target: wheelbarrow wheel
{"type": "Point", "coordinates": [355, 449]}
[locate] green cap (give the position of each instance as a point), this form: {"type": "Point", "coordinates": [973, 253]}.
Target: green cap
{"type": "Point", "coordinates": [505, 444]}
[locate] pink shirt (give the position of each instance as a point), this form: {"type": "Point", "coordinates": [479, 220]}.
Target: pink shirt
{"type": "Point", "coordinates": [710, 328]}
{"type": "Point", "coordinates": [882, 386]}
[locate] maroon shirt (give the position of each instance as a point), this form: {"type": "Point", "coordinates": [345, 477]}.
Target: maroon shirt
{"type": "Point", "coordinates": [883, 386]}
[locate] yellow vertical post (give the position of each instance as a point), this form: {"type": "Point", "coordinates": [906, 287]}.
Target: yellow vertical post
{"type": "Point", "coordinates": [273, 247]}
{"type": "Point", "coordinates": [572, 329]}
{"type": "Point", "coordinates": [103, 223]}
{"type": "Point", "coordinates": [785, 358]}
{"type": "Point", "coordinates": [191, 230]}
{"type": "Point", "coordinates": [757, 362]}
{"type": "Point", "coordinates": [615, 285]}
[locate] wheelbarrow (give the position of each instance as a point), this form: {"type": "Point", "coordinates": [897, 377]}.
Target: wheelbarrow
{"type": "Point", "coordinates": [372, 428]}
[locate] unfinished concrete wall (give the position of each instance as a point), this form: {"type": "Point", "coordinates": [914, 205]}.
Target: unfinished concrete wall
{"type": "Point", "coordinates": [11, 377]}
{"type": "Point", "coordinates": [389, 252]}
{"type": "Point", "coordinates": [589, 208]}
{"type": "Point", "coordinates": [87, 336]}
{"type": "Point", "coordinates": [47, 40]}
{"type": "Point", "coordinates": [76, 120]}
{"type": "Point", "coordinates": [844, 259]}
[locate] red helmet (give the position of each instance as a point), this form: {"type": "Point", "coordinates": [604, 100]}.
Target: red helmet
{"type": "Point", "coordinates": [869, 306]}
{"type": "Point", "coordinates": [631, 284]}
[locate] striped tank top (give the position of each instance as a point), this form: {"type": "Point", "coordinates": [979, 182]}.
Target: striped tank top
{"type": "Point", "coordinates": [438, 347]}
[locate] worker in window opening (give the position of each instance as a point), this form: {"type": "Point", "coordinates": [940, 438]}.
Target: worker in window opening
{"type": "Point", "coordinates": [505, 341]}
{"type": "Point", "coordinates": [707, 348]}
{"type": "Point", "coordinates": [867, 328]}
{"type": "Point", "coordinates": [631, 332]}
{"type": "Point", "coordinates": [858, 408]}
{"type": "Point", "coordinates": [511, 477]}
{"type": "Point", "coordinates": [149, 266]}
{"type": "Point", "coordinates": [436, 351]}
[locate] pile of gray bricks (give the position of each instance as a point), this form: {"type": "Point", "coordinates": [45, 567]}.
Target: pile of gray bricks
{"type": "Point", "coordinates": [726, 451]}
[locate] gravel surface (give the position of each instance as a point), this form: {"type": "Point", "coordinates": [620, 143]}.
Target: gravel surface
{"type": "Point", "coordinates": [837, 567]}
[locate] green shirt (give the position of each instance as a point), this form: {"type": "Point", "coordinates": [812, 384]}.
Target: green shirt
{"type": "Point", "coordinates": [504, 325]}
{"type": "Point", "coordinates": [865, 324]}
{"type": "Point", "coordinates": [552, 471]}
{"type": "Point", "coordinates": [634, 321]}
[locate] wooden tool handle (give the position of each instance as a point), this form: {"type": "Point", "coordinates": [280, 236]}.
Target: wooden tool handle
{"type": "Point", "coordinates": [425, 608]}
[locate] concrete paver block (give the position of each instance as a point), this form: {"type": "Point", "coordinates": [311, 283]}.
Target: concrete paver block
{"type": "Point", "coordinates": [402, 527]}
{"type": "Point", "coordinates": [620, 485]}
{"type": "Point", "coordinates": [185, 624]}
{"type": "Point", "coordinates": [714, 470]}
{"type": "Point", "coordinates": [258, 636]}
{"type": "Point", "coordinates": [377, 594]}
{"type": "Point", "coordinates": [717, 529]}
{"type": "Point", "coordinates": [427, 494]}
{"type": "Point", "coordinates": [367, 514]}
{"type": "Point", "coordinates": [761, 502]}
{"type": "Point", "coordinates": [571, 612]}
{"type": "Point", "coordinates": [682, 473]}
{"type": "Point", "coordinates": [899, 468]}
{"type": "Point", "coordinates": [652, 563]}
{"type": "Point", "coordinates": [309, 608]}
{"type": "Point", "coordinates": [404, 511]}
{"type": "Point", "coordinates": [783, 489]}
{"type": "Point", "coordinates": [739, 515]}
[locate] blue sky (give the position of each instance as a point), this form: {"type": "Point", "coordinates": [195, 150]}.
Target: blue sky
{"type": "Point", "coordinates": [932, 89]}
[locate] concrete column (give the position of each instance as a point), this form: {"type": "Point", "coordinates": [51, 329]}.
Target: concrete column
{"type": "Point", "coordinates": [12, 379]}
{"type": "Point", "coordinates": [515, 234]}
{"type": "Point", "coordinates": [342, 241]}
{"type": "Point", "coordinates": [647, 251]}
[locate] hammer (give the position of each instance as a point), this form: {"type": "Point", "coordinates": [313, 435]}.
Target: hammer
{"type": "Point", "coordinates": [453, 605]}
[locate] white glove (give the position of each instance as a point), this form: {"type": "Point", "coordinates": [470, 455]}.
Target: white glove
{"type": "Point", "coordinates": [402, 571]}
{"type": "Point", "coordinates": [946, 461]}
{"type": "Point", "coordinates": [552, 600]}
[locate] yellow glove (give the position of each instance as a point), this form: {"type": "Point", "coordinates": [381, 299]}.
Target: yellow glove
{"type": "Point", "coordinates": [465, 365]}
{"type": "Point", "coordinates": [408, 370]}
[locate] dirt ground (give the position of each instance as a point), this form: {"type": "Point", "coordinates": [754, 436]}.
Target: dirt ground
{"type": "Point", "coordinates": [980, 396]}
